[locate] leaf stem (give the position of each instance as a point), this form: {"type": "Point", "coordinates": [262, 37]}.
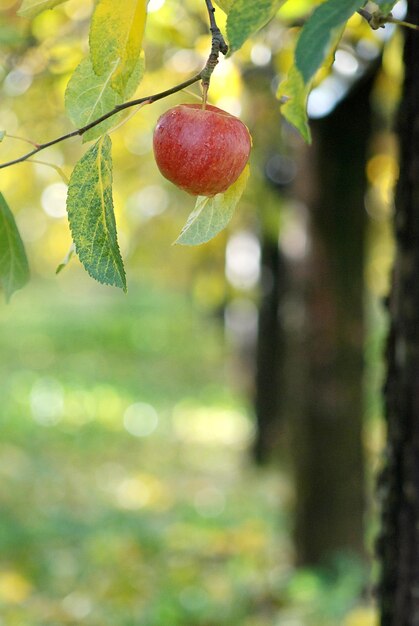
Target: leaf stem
{"type": "Point", "coordinates": [32, 143]}
{"type": "Point", "coordinates": [54, 167]}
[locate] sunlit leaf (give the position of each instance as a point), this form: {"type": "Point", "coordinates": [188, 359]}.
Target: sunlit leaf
{"type": "Point", "coordinates": [116, 36]}
{"type": "Point", "coordinates": [91, 215]}
{"type": "Point", "coordinates": [295, 10]}
{"type": "Point", "coordinates": [31, 8]}
{"type": "Point", "coordinates": [2, 135]}
{"type": "Point", "coordinates": [212, 214]}
{"type": "Point", "coordinates": [14, 268]}
{"type": "Point", "coordinates": [294, 107]}
{"type": "Point", "coordinates": [89, 96]}
{"type": "Point", "coordinates": [246, 18]}
{"type": "Point", "coordinates": [319, 32]}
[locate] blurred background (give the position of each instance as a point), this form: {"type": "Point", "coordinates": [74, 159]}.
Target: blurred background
{"type": "Point", "coordinates": [201, 451]}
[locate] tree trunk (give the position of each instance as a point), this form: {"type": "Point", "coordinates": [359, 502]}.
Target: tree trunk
{"type": "Point", "coordinates": [328, 434]}
{"type": "Point", "coordinates": [398, 547]}
{"type": "Point", "coordinates": [269, 352]}
{"type": "Point", "coordinates": [269, 195]}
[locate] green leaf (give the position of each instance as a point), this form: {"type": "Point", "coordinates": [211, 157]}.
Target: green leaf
{"type": "Point", "coordinates": [225, 5]}
{"type": "Point", "coordinates": [212, 214]}
{"type": "Point", "coordinates": [31, 8]}
{"type": "Point", "coordinates": [14, 268]}
{"type": "Point", "coordinates": [116, 36]}
{"type": "Point", "coordinates": [91, 215]}
{"type": "Point", "coordinates": [386, 5]}
{"type": "Point", "coordinates": [2, 135]}
{"type": "Point", "coordinates": [294, 94]}
{"type": "Point", "coordinates": [89, 96]}
{"type": "Point", "coordinates": [318, 33]}
{"type": "Point", "coordinates": [246, 17]}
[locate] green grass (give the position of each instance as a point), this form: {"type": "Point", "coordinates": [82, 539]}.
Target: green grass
{"type": "Point", "coordinates": [104, 528]}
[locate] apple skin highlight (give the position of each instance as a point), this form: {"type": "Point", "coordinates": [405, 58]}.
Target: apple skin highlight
{"type": "Point", "coordinates": [202, 151]}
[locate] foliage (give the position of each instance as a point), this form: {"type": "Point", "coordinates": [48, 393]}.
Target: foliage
{"type": "Point", "coordinates": [386, 5]}
{"type": "Point", "coordinates": [317, 35]}
{"type": "Point", "coordinates": [211, 215]}
{"type": "Point", "coordinates": [246, 18]}
{"type": "Point", "coordinates": [91, 215]}
{"type": "Point", "coordinates": [116, 40]}
{"type": "Point", "coordinates": [114, 67]}
{"type": "Point", "coordinates": [89, 96]}
{"type": "Point", "coordinates": [31, 8]}
{"type": "Point", "coordinates": [14, 270]}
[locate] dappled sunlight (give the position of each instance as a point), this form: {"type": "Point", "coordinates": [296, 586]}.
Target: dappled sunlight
{"type": "Point", "coordinates": [127, 487]}
{"type": "Point", "coordinates": [143, 491]}
{"type": "Point", "coordinates": [14, 587]}
{"type": "Point", "coordinates": [211, 426]}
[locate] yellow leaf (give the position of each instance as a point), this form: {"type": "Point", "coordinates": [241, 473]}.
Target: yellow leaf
{"type": "Point", "coordinates": [31, 8]}
{"type": "Point", "coordinates": [293, 94]}
{"type": "Point", "coordinates": [116, 36]}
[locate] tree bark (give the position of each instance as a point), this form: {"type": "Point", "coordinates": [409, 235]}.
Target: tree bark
{"type": "Point", "coordinates": [398, 546]}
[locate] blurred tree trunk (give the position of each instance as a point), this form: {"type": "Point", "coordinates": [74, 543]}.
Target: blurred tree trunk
{"type": "Point", "coordinates": [268, 358]}
{"type": "Point", "coordinates": [327, 442]}
{"type": "Point", "coordinates": [269, 350]}
{"type": "Point", "coordinates": [398, 547]}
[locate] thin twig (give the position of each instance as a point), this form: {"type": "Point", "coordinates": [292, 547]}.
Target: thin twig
{"type": "Point", "coordinates": [379, 20]}
{"type": "Point", "coordinates": [376, 19]}
{"type": "Point", "coordinates": [218, 45]}
{"type": "Point", "coordinates": [393, 20]}
{"type": "Point", "coordinates": [211, 14]}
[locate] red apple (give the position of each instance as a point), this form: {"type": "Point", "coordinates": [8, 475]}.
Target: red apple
{"type": "Point", "coordinates": [202, 151]}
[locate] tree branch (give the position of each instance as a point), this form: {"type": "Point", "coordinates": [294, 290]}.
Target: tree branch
{"type": "Point", "coordinates": [218, 45]}
{"type": "Point", "coordinates": [378, 20]}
